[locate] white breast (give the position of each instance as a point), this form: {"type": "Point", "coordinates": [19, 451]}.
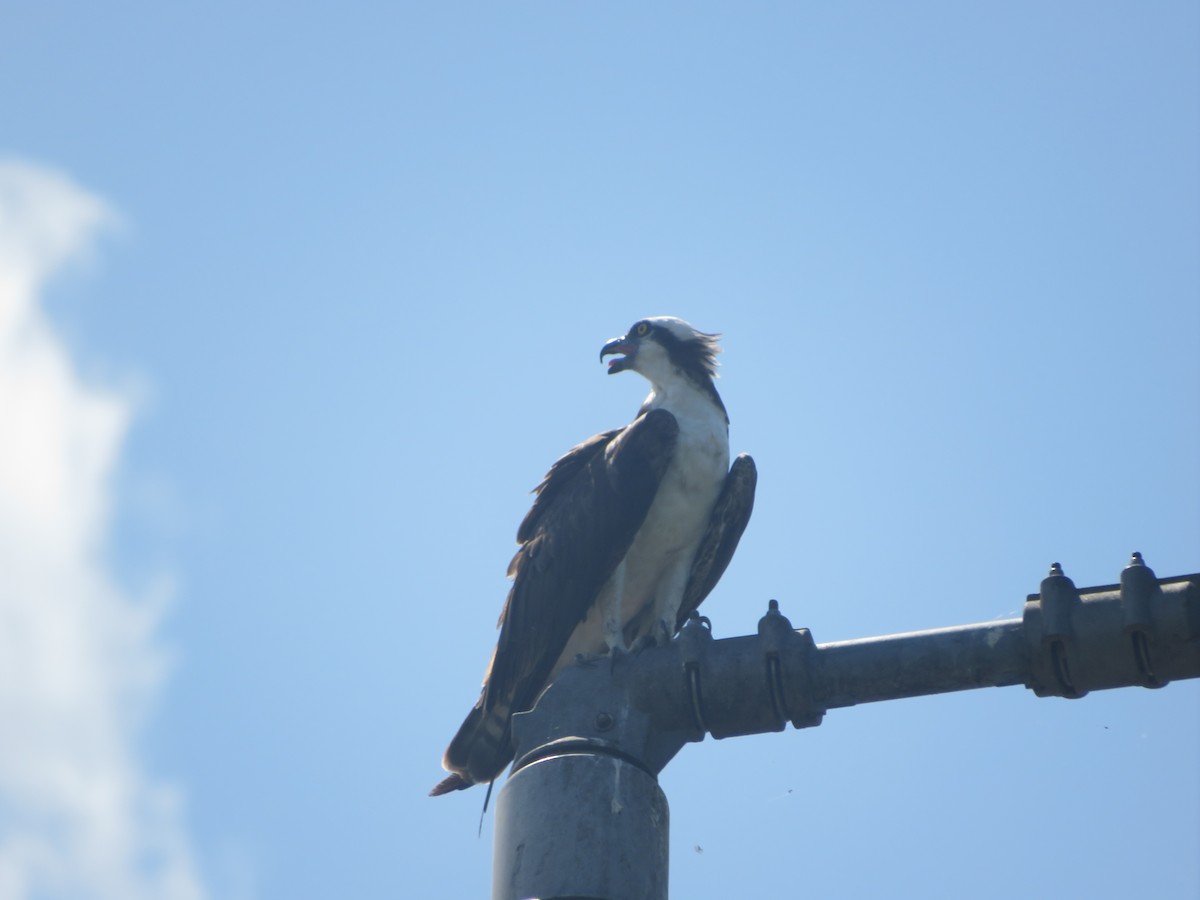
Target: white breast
{"type": "Point", "coordinates": [660, 560]}
{"type": "Point", "coordinates": [646, 589]}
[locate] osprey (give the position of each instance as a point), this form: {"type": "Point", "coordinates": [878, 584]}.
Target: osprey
{"type": "Point", "coordinates": [628, 533]}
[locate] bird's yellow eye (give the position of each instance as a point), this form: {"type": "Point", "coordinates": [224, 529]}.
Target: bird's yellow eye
{"type": "Point", "coordinates": [640, 329]}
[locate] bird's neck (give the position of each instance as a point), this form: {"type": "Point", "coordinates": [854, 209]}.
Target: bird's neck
{"type": "Point", "coordinates": [685, 397]}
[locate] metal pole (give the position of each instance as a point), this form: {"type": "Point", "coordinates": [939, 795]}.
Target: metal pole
{"type": "Point", "coordinates": [582, 816]}
{"type": "Point", "coordinates": [580, 825]}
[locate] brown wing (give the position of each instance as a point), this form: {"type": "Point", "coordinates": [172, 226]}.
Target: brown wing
{"type": "Point", "coordinates": [730, 515]}
{"type": "Point", "coordinates": [587, 512]}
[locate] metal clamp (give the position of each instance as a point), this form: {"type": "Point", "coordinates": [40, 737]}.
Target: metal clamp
{"type": "Point", "coordinates": [773, 631]}
{"type": "Point", "coordinates": [1140, 593]}
{"type": "Point", "coordinates": [789, 656]}
{"type": "Point", "coordinates": [1050, 633]}
{"type": "Point", "coordinates": [694, 639]}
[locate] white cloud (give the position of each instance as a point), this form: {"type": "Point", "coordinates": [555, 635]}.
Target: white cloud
{"type": "Point", "coordinates": [78, 660]}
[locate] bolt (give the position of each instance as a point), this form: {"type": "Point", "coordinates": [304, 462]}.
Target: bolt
{"type": "Point", "coordinates": [604, 721]}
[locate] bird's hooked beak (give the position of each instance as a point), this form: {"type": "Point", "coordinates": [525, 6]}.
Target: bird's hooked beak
{"type": "Point", "coordinates": [619, 345]}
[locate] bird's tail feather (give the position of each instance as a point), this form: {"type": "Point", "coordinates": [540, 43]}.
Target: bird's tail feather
{"type": "Point", "coordinates": [454, 782]}
{"type": "Point", "coordinates": [479, 752]}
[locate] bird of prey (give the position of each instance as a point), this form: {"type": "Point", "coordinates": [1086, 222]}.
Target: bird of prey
{"type": "Point", "coordinates": [628, 533]}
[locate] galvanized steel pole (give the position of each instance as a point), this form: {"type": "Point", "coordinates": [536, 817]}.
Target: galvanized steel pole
{"type": "Point", "coordinates": [582, 815]}
{"type": "Point", "coordinates": [580, 824]}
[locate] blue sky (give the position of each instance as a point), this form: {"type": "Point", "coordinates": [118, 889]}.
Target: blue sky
{"type": "Point", "coordinates": [299, 304]}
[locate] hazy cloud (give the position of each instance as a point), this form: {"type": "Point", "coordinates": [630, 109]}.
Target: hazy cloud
{"type": "Point", "coordinates": [78, 661]}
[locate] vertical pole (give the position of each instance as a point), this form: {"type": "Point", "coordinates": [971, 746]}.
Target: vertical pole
{"type": "Point", "coordinates": [580, 825]}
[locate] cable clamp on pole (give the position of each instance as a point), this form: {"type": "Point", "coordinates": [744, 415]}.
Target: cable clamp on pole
{"type": "Point", "coordinates": [694, 640]}
{"type": "Point", "coordinates": [1050, 636]}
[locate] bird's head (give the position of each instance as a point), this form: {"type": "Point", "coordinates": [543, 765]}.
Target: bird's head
{"type": "Point", "coordinates": [661, 346]}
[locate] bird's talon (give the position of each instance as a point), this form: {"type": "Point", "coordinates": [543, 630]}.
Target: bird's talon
{"type": "Point", "coordinates": [615, 654]}
{"type": "Point", "coordinates": [645, 642]}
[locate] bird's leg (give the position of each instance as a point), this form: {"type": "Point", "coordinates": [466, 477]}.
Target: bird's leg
{"type": "Point", "coordinates": [614, 630]}
{"type": "Point", "coordinates": [614, 625]}
{"type": "Point", "coordinates": [646, 640]}
{"type": "Point", "coordinates": [664, 632]}
{"type": "Point", "coordinates": [667, 603]}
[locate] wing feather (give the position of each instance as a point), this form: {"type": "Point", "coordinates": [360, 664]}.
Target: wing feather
{"type": "Point", "coordinates": [583, 521]}
{"type": "Point", "coordinates": [561, 474]}
{"type": "Point", "coordinates": [730, 515]}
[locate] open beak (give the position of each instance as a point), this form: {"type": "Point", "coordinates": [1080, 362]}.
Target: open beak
{"type": "Point", "coordinates": [618, 345]}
